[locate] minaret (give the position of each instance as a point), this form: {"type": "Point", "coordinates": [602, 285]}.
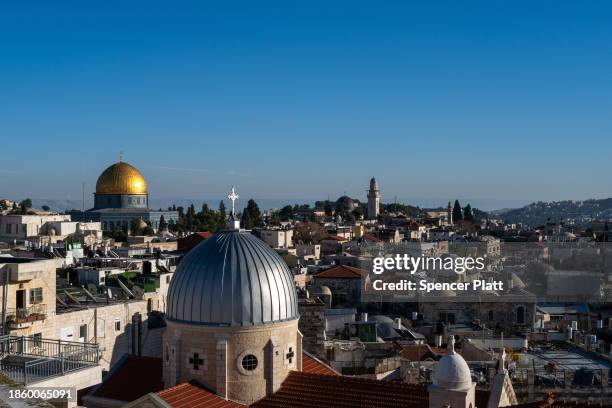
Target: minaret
{"type": "Point", "coordinates": [373, 200]}
{"type": "Point", "coordinates": [449, 213]}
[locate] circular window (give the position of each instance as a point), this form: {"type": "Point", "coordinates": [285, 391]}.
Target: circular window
{"type": "Point", "coordinates": [249, 362]}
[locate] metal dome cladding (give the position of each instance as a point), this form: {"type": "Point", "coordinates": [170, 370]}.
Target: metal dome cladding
{"type": "Point", "coordinates": [232, 279]}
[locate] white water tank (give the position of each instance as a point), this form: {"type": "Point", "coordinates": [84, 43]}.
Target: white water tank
{"type": "Point", "coordinates": [438, 340]}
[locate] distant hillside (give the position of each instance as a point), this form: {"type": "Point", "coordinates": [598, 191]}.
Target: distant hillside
{"type": "Point", "coordinates": [580, 211]}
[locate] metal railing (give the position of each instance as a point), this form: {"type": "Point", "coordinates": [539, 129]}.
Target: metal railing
{"type": "Point", "coordinates": [367, 366]}
{"type": "Point", "coordinates": [31, 313]}
{"type": "Point", "coordinates": [27, 360]}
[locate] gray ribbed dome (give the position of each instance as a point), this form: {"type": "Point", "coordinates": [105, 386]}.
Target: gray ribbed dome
{"type": "Point", "coordinates": [233, 279]}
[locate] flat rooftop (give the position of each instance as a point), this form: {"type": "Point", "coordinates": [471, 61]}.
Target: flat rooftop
{"type": "Point", "coordinates": [571, 359]}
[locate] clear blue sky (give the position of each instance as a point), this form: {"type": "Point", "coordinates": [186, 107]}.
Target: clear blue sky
{"type": "Point", "coordinates": [492, 99]}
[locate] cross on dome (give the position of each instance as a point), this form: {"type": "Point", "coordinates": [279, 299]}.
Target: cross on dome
{"type": "Point", "coordinates": [233, 197]}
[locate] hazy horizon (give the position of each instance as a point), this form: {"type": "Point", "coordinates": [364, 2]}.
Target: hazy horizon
{"type": "Point", "coordinates": [276, 203]}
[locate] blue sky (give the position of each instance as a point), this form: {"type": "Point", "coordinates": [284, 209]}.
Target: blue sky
{"type": "Point", "coordinates": [485, 100]}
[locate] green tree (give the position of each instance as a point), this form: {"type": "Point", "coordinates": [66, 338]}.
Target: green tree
{"type": "Point", "coordinates": [358, 213]}
{"type": "Point", "coordinates": [251, 216]}
{"type": "Point", "coordinates": [163, 225]}
{"type": "Point", "coordinates": [45, 208]}
{"type": "Point", "coordinates": [286, 213]}
{"type": "Point", "coordinates": [467, 213]}
{"type": "Point", "coordinates": [328, 207]}
{"type": "Point", "coordinates": [457, 212]}
{"type": "Point", "coordinates": [27, 204]}
{"type": "Point", "coordinates": [221, 216]}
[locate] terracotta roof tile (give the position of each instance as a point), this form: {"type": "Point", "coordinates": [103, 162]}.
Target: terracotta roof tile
{"type": "Point", "coordinates": [186, 244]}
{"type": "Point", "coordinates": [188, 395]}
{"type": "Point", "coordinates": [306, 390]}
{"type": "Point", "coordinates": [420, 352]}
{"type": "Point", "coordinates": [341, 272]}
{"type": "Point", "coordinates": [335, 238]}
{"type": "Point", "coordinates": [371, 237]}
{"type": "Point", "coordinates": [313, 365]}
{"type": "Point", "coordinates": [131, 379]}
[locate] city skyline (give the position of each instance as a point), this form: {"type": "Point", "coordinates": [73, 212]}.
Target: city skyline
{"type": "Point", "coordinates": [488, 101]}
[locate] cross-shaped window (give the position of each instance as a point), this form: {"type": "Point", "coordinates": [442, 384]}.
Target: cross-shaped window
{"type": "Point", "coordinates": [196, 361]}
{"type": "Point", "coordinates": [289, 356]}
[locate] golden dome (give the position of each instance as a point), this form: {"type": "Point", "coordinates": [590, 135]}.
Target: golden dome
{"type": "Point", "coordinates": [121, 178]}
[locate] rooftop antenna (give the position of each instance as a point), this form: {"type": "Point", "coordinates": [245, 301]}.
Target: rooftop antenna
{"type": "Point", "coordinates": [83, 196]}
{"type": "Point", "coordinates": [120, 156]}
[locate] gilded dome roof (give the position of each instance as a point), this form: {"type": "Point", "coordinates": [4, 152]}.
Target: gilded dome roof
{"type": "Point", "coordinates": [121, 178]}
{"type": "Point", "coordinates": [232, 279]}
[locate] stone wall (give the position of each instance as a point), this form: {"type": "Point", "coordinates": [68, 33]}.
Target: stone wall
{"type": "Point", "coordinates": [312, 325]}
{"type": "Point", "coordinates": [214, 355]}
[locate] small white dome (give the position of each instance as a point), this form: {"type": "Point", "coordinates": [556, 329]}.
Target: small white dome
{"type": "Point", "coordinates": [452, 372]}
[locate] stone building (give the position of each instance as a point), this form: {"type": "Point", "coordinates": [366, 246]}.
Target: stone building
{"type": "Point", "coordinates": [345, 283]}
{"type": "Point", "coordinates": [28, 299]}
{"type": "Point", "coordinates": [312, 325]}
{"type": "Point", "coordinates": [232, 318]}
{"type": "Point", "coordinates": [515, 310]}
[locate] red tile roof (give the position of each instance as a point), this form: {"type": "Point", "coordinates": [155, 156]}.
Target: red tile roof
{"type": "Point", "coordinates": [372, 237]}
{"type": "Point", "coordinates": [341, 272]}
{"type": "Point", "coordinates": [305, 390]}
{"type": "Point", "coordinates": [187, 395]}
{"type": "Point", "coordinates": [186, 244]}
{"type": "Point", "coordinates": [312, 365]}
{"type": "Point", "coordinates": [143, 374]}
{"type": "Point", "coordinates": [420, 352]}
{"type": "Point", "coordinates": [335, 238]}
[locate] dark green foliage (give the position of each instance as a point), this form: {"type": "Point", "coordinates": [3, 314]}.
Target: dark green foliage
{"type": "Point", "coordinates": [407, 210]}
{"type": "Point", "coordinates": [467, 213]}
{"type": "Point", "coordinates": [457, 212]}
{"type": "Point", "coordinates": [163, 225]}
{"type": "Point", "coordinates": [251, 216]}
